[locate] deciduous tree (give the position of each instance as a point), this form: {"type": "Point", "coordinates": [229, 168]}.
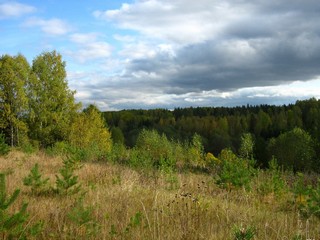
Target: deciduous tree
{"type": "Point", "coordinates": [52, 104]}
{"type": "Point", "coordinates": [14, 74]}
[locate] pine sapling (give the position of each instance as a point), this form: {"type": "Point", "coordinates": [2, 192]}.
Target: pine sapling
{"type": "Point", "coordinates": [83, 216]}
{"type": "Point", "coordinates": [14, 226]}
{"type": "Point", "coordinates": [67, 183]}
{"type": "Point", "coordinates": [35, 181]}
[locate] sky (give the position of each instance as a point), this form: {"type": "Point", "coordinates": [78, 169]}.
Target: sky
{"type": "Point", "coordinates": [145, 54]}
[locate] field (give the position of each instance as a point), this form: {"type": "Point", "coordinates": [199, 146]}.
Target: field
{"type": "Point", "coordinates": [116, 202]}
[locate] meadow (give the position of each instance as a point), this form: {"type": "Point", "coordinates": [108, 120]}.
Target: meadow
{"type": "Point", "coordinates": [119, 202]}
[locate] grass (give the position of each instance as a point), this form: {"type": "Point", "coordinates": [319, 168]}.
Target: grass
{"type": "Point", "coordinates": [128, 204]}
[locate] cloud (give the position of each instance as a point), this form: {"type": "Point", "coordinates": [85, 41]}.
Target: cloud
{"type": "Point", "coordinates": [218, 45]}
{"type": "Point", "coordinates": [171, 20]}
{"type": "Point", "coordinates": [123, 92]}
{"type": "Point", "coordinates": [54, 26]}
{"type": "Point", "coordinates": [89, 47]}
{"type": "Point", "coordinates": [211, 53]}
{"type": "Point", "coordinates": [15, 9]}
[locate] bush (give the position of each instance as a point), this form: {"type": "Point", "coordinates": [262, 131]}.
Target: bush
{"type": "Point", "coordinates": [60, 149]}
{"type": "Point", "coordinates": [140, 159]}
{"type": "Point", "coordinates": [4, 148]}
{"type": "Point", "coordinates": [274, 183]}
{"type": "Point", "coordinates": [118, 154]}
{"type": "Point", "coordinates": [157, 148]}
{"type": "Point", "coordinates": [234, 172]}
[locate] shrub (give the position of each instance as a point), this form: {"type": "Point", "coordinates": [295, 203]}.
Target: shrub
{"type": "Point", "coordinates": [273, 182]}
{"type": "Point", "coordinates": [82, 216]}
{"type": "Point", "coordinates": [313, 203]}
{"type": "Point", "coordinates": [4, 148]}
{"type": "Point", "coordinates": [234, 172]}
{"type": "Point", "coordinates": [118, 154]}
{"type": "Point", "coordinates": [156, 147]}
{"type": "Point", "coordinates": [140, 159]}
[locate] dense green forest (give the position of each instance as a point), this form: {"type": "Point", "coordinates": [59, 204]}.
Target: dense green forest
{"type": "Point", "coordinates": [289, 132]}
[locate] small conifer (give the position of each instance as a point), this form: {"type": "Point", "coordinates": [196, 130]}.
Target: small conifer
{"type": "Point", "coordinates": [35, 181]}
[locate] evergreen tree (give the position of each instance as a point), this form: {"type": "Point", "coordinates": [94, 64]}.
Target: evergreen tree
{"type": "Point", "coordinates": [35, 181]}
{"type": "Point", "coordinates": [14, 226]}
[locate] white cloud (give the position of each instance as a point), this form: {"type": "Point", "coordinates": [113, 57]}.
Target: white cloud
{"type": "Point", "coordinates": [81, 38]}
{"type": "Point", "coordinates": [179, 21]}
{"type": "Point", "coordinates": [52, 26]}
{"type": "Point", "coordinates": [15, 9]}
{"type": "Point", "coordinates": [89, 47]}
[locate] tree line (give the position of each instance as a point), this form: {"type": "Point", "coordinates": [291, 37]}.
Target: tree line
{"type": "Point", "coordinates": [291, 133]}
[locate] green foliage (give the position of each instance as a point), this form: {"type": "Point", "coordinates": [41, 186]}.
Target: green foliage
{"type": "Point", "coordinates": [119, 153]}
{"type": "Point", "coordinates": [307, 197]}
{"type": "Point", "coordinates": [246, 147]}
{"type": "Point", "coordinates": [313, 203]}
{"type": "Point", "coordinates": [167, 169]}
{"type": "Point", "coordinates": [155, 147]}
{"type": "Point", "coordinates": [14, 226]}
{"type": "Point", "coordinates": [140, 159]}
{"type": "Point", "coordinates": [4, 148]}
{"type": "Point", "coordinates": [83, 216]}
{"type": "Point", "coordinates": [234, 172]}
{"type": "Point", "coordinates": [293, 149]}
{"type": "Point", "coordinates": [52, 105]}
{"type": "Point", "coordinates": [67, 183]}
{"type": "Point", "coordinates": [274, 183]}
{"type": "Point", "coordinates": [89, 135]}
{"type": "Point", "coordinates": [60, 149]}
{"type": "Point", "coordinates": [195, 153]}
{"type": "Point", "coordinates": [297, 237]}
{"type": "Point", "coordinates": [300, 190]}
{"type": "Point", "coordinates": [14, 73]}
{"type": "Point", "coordinates": [135, 221]}
{"type": "Point", "coordinates": [222, 127]}
{"type": "Point", "coordinates": [29, 147]}
{"type": "Point", "coordinates": [117, 135]}
{"type": "Point", "coordinates": [35, 181]}
{"type": "Point", "coordinates": [241, 233]}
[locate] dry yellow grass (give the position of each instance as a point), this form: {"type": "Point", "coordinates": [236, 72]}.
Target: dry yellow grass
{"type": "Point", "coordinates": [195, 209]}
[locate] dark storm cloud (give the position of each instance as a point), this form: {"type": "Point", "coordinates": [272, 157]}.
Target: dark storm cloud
{"type": "Point", "coordinates": [208, 52]}
{"type": "Point", "coordinates": [280, 45]}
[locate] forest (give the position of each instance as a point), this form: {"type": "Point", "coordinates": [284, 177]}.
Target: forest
{"type": "Point", "coordinates": [276, 130]}
{"type": "Point", "coordinates": [74, 172]}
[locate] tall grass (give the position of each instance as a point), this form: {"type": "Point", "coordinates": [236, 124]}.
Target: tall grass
{"type": "Point", "coordinates": [117, 202]}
